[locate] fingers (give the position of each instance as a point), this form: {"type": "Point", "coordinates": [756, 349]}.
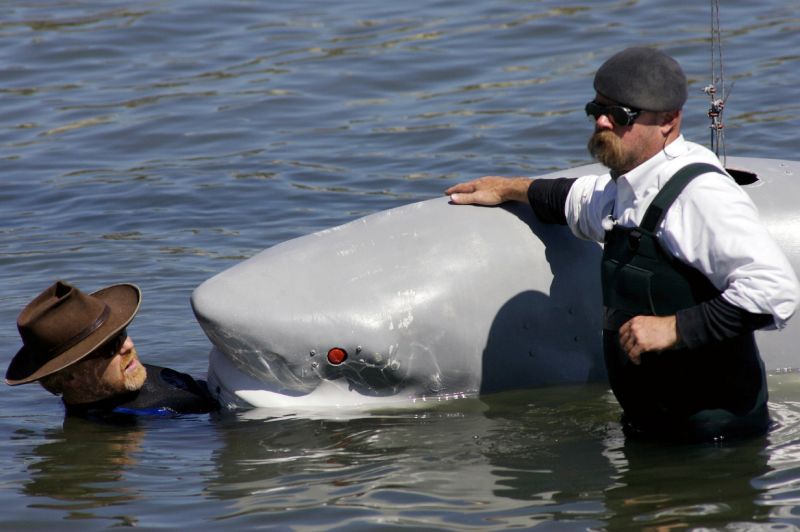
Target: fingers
{"type": "Point", "coordinates": [490, 190]}
{"type": "Point", "coordinates": [628, 342]}
{"type": "Point", "coordinates": [647, 333]}
{"type": "Point", "coordinates": [474, 198]}
{"type": "Point", "coordinates": [466, 196]}
{"type": "Point", "coordinates": [486, 190]}
{"type": "Point", "coordinates": [461, 188]}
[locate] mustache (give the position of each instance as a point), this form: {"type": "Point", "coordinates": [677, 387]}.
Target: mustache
{"type": "Point", "coordinates": [601, 142]}
{"type": "Point", "coordinates": [130, 356]}
{"type": "Point", "coordinates": [135, 379]}
{"type": "Point", "coordinates": [607, 148]}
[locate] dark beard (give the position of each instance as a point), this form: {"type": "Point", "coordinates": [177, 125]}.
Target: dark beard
{"type": "Point", "coordinates": [607, 148]}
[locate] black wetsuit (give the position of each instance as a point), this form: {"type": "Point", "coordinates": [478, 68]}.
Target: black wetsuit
{"type": "Point", "coordinates": [165, 392]}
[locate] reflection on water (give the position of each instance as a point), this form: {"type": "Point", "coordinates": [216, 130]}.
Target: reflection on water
{"type": "Point", "coordinates": [515, 459]}
{"type": "Point", "coordinates": [81, 468]}
{"type": "Point", "coordinates": [560, 458]}
{"type": "Point", "coordinates": [659, 486]}
{"type": "Point", "coordinates": [163, 142]}
{"type": "Point", "coordinates": [442, 466]}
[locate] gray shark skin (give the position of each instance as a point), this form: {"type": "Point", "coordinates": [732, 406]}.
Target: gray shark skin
{"type": "Point", "coordinates": [433, 301]}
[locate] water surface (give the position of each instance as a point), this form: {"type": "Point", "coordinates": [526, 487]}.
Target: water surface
{"type": "Point", "coordinates": [162, 141]}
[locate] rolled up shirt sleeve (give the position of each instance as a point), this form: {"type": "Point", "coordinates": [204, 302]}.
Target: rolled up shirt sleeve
{"type": "Point", "coordinates": [714, 227]}
{"type": "Point", "coordinates": [590, 199]}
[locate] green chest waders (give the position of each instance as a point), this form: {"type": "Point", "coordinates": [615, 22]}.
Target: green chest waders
{"type": "Point", "coordinates": [712, 391]}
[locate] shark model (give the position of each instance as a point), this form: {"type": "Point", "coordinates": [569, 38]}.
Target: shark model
{"type": "Point", "coordinates": [431, 301]}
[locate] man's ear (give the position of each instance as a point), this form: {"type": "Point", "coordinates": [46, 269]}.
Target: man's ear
{"type": "Point", "coordinates": [670, 120]}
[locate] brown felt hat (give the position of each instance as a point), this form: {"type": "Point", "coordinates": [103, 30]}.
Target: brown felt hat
{"type": "Point", "coordinates": [62, 325]}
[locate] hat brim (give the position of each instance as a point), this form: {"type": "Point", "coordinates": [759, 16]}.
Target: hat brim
{"type": "Point", "coordinates": [123, 301]}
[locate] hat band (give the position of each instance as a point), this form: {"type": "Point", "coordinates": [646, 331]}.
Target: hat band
{"type": "Point", "coordinates": [82, 335]}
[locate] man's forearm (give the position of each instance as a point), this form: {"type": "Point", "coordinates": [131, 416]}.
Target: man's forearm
{"type": "Point", "coordinates": [716, 320]}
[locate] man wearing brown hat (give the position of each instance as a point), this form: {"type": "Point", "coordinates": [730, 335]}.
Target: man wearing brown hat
{"type": "Point", "coordinates": [688, 270]}
{"type": "Point", "coordinates": [76, 345]}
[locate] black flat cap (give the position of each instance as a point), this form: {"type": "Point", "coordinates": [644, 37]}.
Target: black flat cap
{"type": "Point", "coordinates": [642, 78]}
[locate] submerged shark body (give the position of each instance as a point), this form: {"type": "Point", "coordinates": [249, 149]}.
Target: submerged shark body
{"type": "Point", "coordinates": [431, 301]}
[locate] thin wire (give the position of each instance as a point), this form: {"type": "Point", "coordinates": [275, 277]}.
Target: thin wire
{"type": "Point", "coordinates": [717, 79]}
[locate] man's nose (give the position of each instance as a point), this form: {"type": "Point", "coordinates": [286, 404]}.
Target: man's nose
{"type": "Point", "coordinates": [603, 122]}
{"type": "Point", "coordinates": [127, 345]}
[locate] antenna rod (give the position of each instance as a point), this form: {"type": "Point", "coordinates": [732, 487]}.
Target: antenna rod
{"type": "Point", "coordinates": [717, 77]}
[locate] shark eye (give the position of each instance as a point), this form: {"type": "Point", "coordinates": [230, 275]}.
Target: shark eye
{"type": "Point", "coordinates": [337, 355]}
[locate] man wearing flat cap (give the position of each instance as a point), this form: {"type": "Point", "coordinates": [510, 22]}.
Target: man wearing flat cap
{"type": "Point", "coordinates": [688, 269]}
{"type": "Point", "coordinates": [76, 345]}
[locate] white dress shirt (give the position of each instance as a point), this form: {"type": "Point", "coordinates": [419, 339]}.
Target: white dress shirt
{"type": "Point", "coordinates": [713, 226]}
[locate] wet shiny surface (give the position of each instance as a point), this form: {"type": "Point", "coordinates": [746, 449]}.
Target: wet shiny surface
{"type": "Point", "coordinates": [162, 142]}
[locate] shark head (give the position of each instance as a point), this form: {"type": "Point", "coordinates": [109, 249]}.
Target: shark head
{"type": "Point", "coordinates": [403, 303]}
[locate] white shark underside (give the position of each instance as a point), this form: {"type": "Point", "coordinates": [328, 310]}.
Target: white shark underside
{"type": "Point", "coordinates": [433, 300]}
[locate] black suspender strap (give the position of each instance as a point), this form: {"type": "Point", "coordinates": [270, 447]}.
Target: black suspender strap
{"type": "Point", "coordinates": [658, 208]}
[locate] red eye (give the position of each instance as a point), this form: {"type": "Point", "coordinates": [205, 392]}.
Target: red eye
{"type": "Point", "coordinates": [337, 355]}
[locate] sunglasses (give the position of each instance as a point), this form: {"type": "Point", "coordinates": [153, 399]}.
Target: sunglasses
{"type": "Point", "coordinates": [621, 115]}
{"type": "Point", "coordinates": [110, 348]}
